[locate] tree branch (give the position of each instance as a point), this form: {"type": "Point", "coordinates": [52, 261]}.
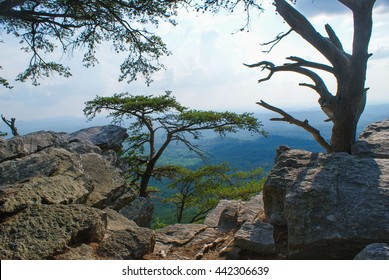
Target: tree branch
{"type": "Point", "coordinates": [303, 124]}
{"type": "Point", "coordinates": [319, 87]}
{"type": "Point", "coordinates": [303, 27]}
{"type": "Point", "coordinates": [276, 40]}
{"type": "Point", "coordinates": [333, 37]}
{"type": "Point", "coordinates": [11, 125]}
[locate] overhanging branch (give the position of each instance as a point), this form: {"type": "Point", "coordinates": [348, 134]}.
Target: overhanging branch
{"type": "Point", "coordinates": [303, 124]}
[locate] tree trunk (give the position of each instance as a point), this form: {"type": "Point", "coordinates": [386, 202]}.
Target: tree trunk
{"type": "Point", "coordinates": [145, 179]}
{"type": "Point", "coordinates": [349, 69]}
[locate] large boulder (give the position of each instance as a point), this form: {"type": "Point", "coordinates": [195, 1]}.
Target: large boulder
{"type": "Point", "coordinates": [42, 231]}
{"type": "Point", "coordinates": [140, 210]}
{"type": "Point", "coordinates": [373, 142]}
{"type": "Point", "coordinates": [329, 205]}
{"type": "Point", "coordinates": [59, 197]}
{"type": "Point", "coordinates": [256, 237]}
{"type": "Point", "coordinates": [109, 137]}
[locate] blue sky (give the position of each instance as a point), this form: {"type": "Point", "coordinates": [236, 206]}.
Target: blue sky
{"type": "Point", "coordinates": [206, 69]}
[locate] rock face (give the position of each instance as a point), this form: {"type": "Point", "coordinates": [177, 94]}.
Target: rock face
{"type": "Point", "coordinates": [375, 251]}
{"type": "Point", "coordinates": [58, 196]}
{"type": "Point", "coordinates": [109, 137]}
{"type": "Point", "coordinates": [227, 233]}
{"type": "Point", "coordinates": [373, 142]}
{"type": "Point", "coordinates": [329, 206]}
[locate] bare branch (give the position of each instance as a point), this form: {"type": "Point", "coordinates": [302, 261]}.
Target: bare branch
{"type": "Point", "coordinates": [310, 64]}
{"type": "Point", "coordinates": [303, 124]}
{"type": "Point", "coordinates": [304, 28]}
{"type": "Point", "coordinates": [276, 40]}
{"type": "Point", "coordinates": [11, 125]}
{"type": "Point", "coordinates": [319, 86]}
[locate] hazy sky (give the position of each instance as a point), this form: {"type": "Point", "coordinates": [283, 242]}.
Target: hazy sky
{"type": "Point", "coordinates": [206, 69]}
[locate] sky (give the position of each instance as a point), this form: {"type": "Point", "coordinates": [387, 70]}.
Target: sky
{"type": "Point", "coordinates": [206, 69]}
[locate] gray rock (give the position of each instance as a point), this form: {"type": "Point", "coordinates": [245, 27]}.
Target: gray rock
{"type": "Point", "coordinates": [140, 210]}
{"type": "Point", "coordinates": [330, 205]}
{"type": "Point", "coordinates": [46, 163]}
{"type": "Point", "coordinates": [125, 239]}
{"type": "Point", "coordinates": [256, 237]}
{"type": "Point", "coordinates": [109, 137]}
{"type": "Point", "coordinates": [107, 180]}
{"type": "Point", "coordinates": [232, 214]}
{"type": "Point", "coordinates": [82, 252]}
{"type": "Point", "coordinates": [43, 231]}
{"type": "Point", "coordinates": [58, 189]}
{"type": "Point", "coordinates": [13, 148]}
{"type": "Point", "coordinates": [376, 251]}
{"type": "Point", "coordinates": [128, 244]}
{"type": "Point", "coordinates": [225, 215]}
{"type": "Point", "coordinates": [374, 141]}
{"type": "Point", "coordinates": [179, 234]}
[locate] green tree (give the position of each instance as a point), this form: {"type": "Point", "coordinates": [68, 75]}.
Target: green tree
{"type": "Point", "coordinates": [199, 191]}
{"type": "Point", "coordinates": [163, 119]}
{"type": "Point", "coordinates": [41, 26]}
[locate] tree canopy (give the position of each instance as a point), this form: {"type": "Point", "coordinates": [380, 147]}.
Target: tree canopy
{"type": "Point", "coordinates": [156, 121]}
{"type": "Point", "coordinates": [42, 26]}
{"type": "Point", "coordinates": [199, 191]}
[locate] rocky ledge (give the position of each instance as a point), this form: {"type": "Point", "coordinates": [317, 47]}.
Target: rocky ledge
{"type": "Point", "coordinates": [314, 206]}
{"type": "Point", "coordinates": [64, 197]}
{"type": "Point", "coordinates": [60, 195]}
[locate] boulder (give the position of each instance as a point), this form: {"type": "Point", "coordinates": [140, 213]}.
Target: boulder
{"type": "Point", "coordinates": [107, 180]}
{"type": "Point", "coordinates": [376, 251]}
{"type": "Point", "coordinates": [125, 239]}
{"type": "Point", "coordinates": [58, 189]}
{"type": "Point", "coordinates": [256, 237]}
{"type": "Point", "coordinates": [232, 214]}
{"type": "Point", "coordinates": [52, 190]}
{"type": "Point", "coordinates": [127, 244]}
{"type": "Point", "coordinates": [42, 231]}
{"type": "Point", "coordinates": [373, 142]}
{"type": "Point", "coordinates": [330, 205]}
{"type": "Point", "coordinates": [140, 210]}
{"type": "Point", "coordinates": [109, 137]}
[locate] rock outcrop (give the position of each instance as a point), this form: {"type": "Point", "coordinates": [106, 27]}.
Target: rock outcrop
{"type": "Point", "coordinates": [64, 197]}
{"type": "Point", "coordinates": [314, 206]}
{"type": "Point", "coordinates": [59, 197]}
{"type": "Point", "coordinates": [227, 233]}
{"type": "Point", "coordinates": [330, 206]}
{"type": "Point", "coordinates": [375, 251]}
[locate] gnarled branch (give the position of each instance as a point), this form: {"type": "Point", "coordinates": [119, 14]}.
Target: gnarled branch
{"type": "Point", "coordinates": [319, 86]}
{"type": "Point", "coordinates": [303, 124]}
{"type": "Point", "coordinates": [11, 125]}
{"type": "Point", "coordinates": [304, 28]}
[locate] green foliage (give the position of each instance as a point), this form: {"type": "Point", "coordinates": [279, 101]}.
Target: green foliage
{"type": "Point", "coordinates": [199, 191]}
{"type": "Point", "coordinates": [163, 116]}
{"type": "Point", "coordinates": [42, 26]}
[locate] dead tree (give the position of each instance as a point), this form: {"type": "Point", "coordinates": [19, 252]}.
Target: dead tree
{"type": "Point", "coordinates": [11, 125]}
{"type": "Point", "coordinates": [344, 107]}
